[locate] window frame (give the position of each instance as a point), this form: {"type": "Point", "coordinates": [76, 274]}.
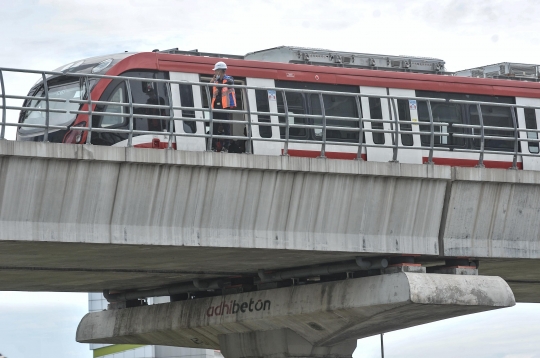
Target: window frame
{"type": "Point", "coordinates": [468, 143]}
{"type": "Point", "coordinates": [125, 120]}
{"type": "Point", "coordinates": [309, 108]}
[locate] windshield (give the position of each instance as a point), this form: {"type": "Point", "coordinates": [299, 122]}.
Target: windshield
{"type": "Point", "coordinates": [67, 91]}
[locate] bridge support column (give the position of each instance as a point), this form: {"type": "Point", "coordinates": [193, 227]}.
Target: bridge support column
{"type": "Point", "coordinates": [280, 343]}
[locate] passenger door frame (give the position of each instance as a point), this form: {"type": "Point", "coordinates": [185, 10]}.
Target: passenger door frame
{"type": "Point", "coordinates": [193, 144]}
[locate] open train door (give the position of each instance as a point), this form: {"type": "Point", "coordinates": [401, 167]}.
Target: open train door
{"type": "Point", "coordinates": [187, 96]}
{"type": "Point", "coordinates": [528, 118]}
{"type": "Point", "coordinates": [379, 108]}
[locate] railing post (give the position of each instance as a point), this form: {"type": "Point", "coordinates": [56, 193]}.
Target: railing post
{"type": "Point", "coordinates": [482, 135]}
{"type": "Point", "coordinates": [394, 115]}
{"type": "Point", "coordinates": [211, 119]}
{"type": "Point", "coordinates": [171, 116]}
{"type": "Point", "coordinates": [46, 90]}
{"type": "Point", "coordinates": [323, 147]}
{"type": "Point", "coordinates": [360, 127]}
{"type": "Point", "coordinates": [286, 110]}
{"type": "Point", "coordinates": [130, 101]}
{"type": "Point", "coordinates": [432, 133]}
{"type": "Point", "coordinates": [3, 89]}
{"type": "Point", "coordinates": [89, 97]}
{"type": "Point", "coordinates": [516, 138]}
{"type": "Point", "coordinates": [248, 146]}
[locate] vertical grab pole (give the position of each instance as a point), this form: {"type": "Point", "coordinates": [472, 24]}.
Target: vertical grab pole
{"type": "Point", "coordinates": [323, 147]}
{"type": "Point", "coordinates": [432, 133]}
{"type": "Point", "coordinates": [89, 97]}
{"type": "Point", "coordinates": [286, 110]}
{"type": "Point", "coordinates": [211, 119]}
{"type": "Point", "coordinates": [482, 136]}
{"type": "Point", "coordinates": [130, 101]}
{"type": "Point", "coordinates": [171, 116]}
{"type": "Point", "coordinates": [2, 87]}
{"type": "Point", "coordinates": [396, 131]}
{"type": "Point", "coordinates": [516, 139]}
{"type": "Point", "coordinates": [360, 128]}
{"type": "Point", "coordinates": [46, 90]}
{"type": "Point", "coordinates": [248, 146]}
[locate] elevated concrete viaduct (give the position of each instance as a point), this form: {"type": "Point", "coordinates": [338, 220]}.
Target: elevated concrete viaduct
{"type": "Point", "coordinates": [89, 218]}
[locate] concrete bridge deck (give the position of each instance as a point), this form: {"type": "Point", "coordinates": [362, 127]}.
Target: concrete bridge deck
{"type": "Point", "coordinates": [87, 218]}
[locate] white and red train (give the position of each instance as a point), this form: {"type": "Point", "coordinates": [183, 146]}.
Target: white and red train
{"type": "Point", "coordinates": [269, 72]}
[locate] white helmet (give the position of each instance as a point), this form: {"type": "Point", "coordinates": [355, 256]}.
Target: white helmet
{"type": "Point", "coordinates": [220, 66]}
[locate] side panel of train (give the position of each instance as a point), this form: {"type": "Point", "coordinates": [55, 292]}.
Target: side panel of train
{"type": "Point", "coordinates": [373, 108]}
{"type": "Point", "coordinates": [379, 145]}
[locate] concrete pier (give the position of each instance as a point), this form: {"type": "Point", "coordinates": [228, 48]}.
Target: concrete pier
{"type": "Point", "coordinates": [316, 320]}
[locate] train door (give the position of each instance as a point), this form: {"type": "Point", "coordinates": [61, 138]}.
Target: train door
{"type": "Point", "coordinates": [381, 108]}
{"type": "Point", "coordinates": [407, 110]}
{"type": "Point", "coordinates": [376, 108]}
{"type": "Point", "coordinates": [528, 118]}
{"type": "Point", "coordinates": [187, 96]}
{"type": "Point", "coordinates": [237, 129]}
{"type": "Point", "coordinates": [264, 101]}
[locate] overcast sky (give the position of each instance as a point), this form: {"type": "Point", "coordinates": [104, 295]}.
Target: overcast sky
{"type": "Point", "coordinates": [465, 33]}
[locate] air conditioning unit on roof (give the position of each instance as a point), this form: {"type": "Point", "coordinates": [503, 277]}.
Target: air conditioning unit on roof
{"type": "Point", "coordinates": [323, 57]}
{"type": "Point", "coordinates": [504, 70]}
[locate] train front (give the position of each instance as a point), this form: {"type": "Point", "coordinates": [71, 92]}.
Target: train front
{"type": "Point", "coordinates": [61, 89]}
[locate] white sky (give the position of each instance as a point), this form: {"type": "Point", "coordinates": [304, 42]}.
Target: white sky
{"type": "Point", "coordinates": [45, 34]}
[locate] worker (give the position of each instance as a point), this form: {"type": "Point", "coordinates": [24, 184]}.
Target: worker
{"type": "Point", "coordinates": [222, 98]}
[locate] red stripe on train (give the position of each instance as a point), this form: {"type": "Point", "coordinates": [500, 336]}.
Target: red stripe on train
{"type": "Point", "coordinates": [316, 154]}
{"type": "Point", "coordinates": [453, 162]}
{"type": "Point", "coordinates": [456, 162]}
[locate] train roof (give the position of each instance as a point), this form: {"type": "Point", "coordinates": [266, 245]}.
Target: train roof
{"type": "Point", "coordinates": [240, 66]}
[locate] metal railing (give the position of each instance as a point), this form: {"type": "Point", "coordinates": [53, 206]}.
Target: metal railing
{"type": "Point", "coordinates": [87, 106]}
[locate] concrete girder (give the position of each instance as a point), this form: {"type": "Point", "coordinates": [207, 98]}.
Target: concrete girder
{"type": "Point", "coordinates": [323, 319]}
{"type": "Point", "coordinates": [71, 222]}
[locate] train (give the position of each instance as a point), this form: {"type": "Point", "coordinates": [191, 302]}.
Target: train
{"type": "Point", "coordinates": [297, 98]}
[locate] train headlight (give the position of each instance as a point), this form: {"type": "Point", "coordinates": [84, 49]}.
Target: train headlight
{"type": "Point", "coordinates": [102, 65]}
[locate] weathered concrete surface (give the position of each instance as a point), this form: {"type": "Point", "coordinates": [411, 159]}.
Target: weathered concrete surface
{"type": "Point", "coordinates": [87, 218]}
{"type": "Point", "coordinates": [493, 219]}
{"type": "Point", "coordinates": [89, 201]}
{"type": "Point", "coordinates": [322, 315]}
{"type": "Point", "coordinates": [279, 343]}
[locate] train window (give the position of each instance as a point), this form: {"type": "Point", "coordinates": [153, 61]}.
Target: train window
{"type": "Point", "coordinates": [404, 113]}
{"type": "Point", "coordinates": [295, 105]}
{"type": "Point", "coordinates": [337, 106]}
{"type": "Point", "coordinates": [263, 105]}
{"type": "Point", "coordinates": [143, 92]}
{"type": "Point", "coordinates": [186, 100]}
{"type": "Point", "coordinates": [111, 120]}
{"type": "Point", "coordinates": [60, 87]}
{"type": "Point", "coordinates": [375, 111]}
{"type": "Point", "coordinates": [453, 113]}
{"type": "Point", "coordinates": [153, 94]}
{"type": "Point", "coordinates": [449, 113]}
{"type": "Point", "coordinates": [530, 123]}
{"type": "Point", "coordinates": [497, 117]}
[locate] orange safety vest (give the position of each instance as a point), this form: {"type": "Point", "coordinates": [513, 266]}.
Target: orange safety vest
{"type": "Point", "coordinates": [228, 96]}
